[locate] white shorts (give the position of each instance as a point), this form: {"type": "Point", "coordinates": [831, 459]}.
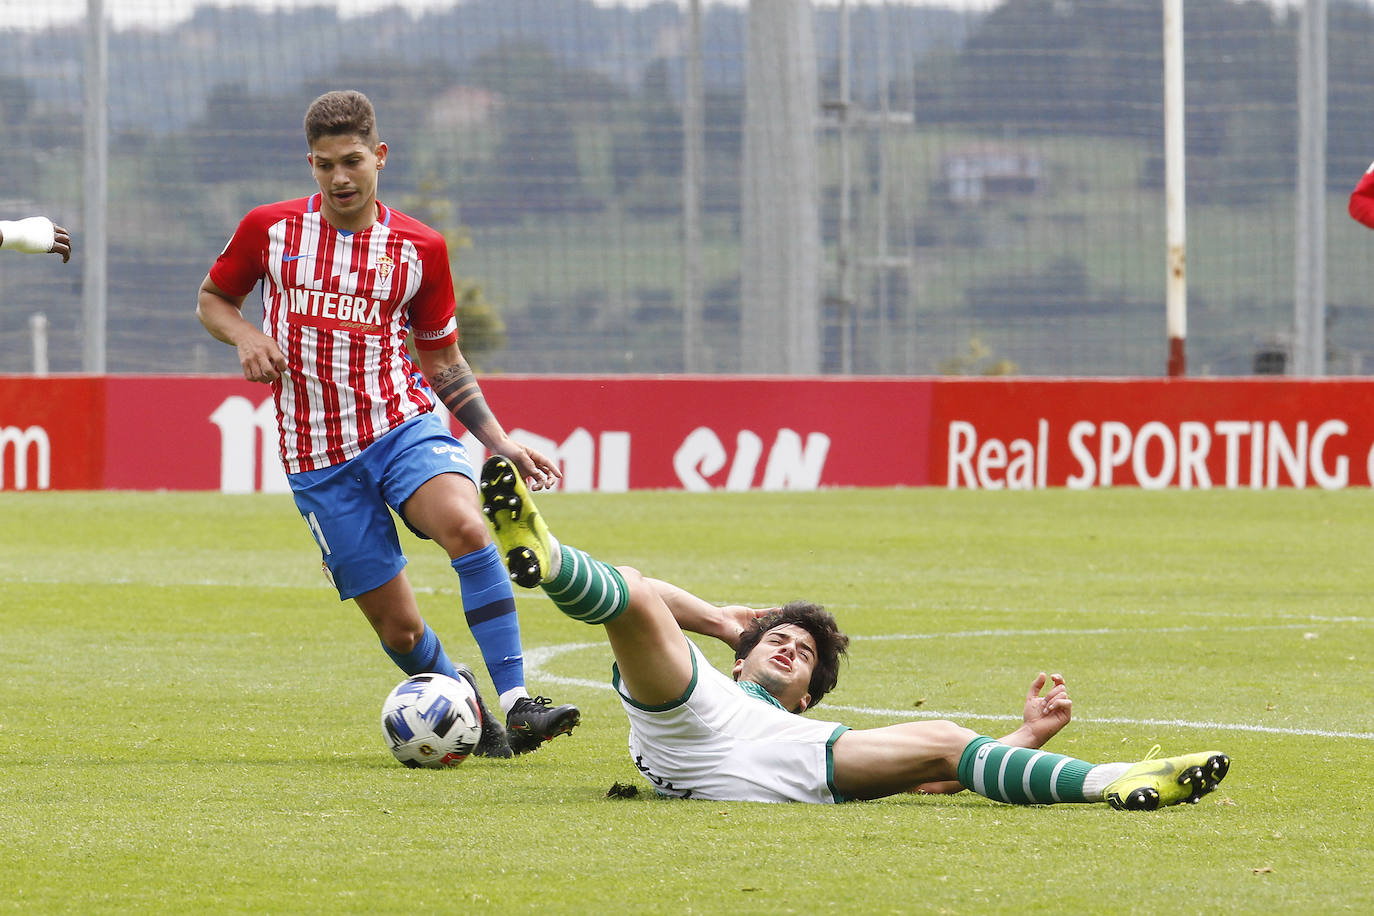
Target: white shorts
{"type": "Point", "coordinates": [719, 743]}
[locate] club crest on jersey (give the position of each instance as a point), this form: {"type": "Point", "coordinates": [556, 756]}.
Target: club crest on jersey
{"type": "Point", "coordinates": [384, 266]}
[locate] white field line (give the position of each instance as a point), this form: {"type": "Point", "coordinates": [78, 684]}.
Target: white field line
{"type": "Point", "coordinates": [1114, 631]}
{"type": "Point", "coordinates": [535, 659]}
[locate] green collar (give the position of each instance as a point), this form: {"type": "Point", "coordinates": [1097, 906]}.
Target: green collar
{"type": "Point", "coordinates": [758, 693]}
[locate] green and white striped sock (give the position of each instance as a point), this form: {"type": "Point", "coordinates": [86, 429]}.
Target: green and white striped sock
{"type": "Point", "coordinates": [586, 589]}
{"type": "Point", "coordinates": [1021, 775]}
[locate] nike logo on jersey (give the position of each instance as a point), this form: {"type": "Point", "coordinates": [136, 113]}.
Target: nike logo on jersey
{"type": "Point", "coordinates": [292, 257]}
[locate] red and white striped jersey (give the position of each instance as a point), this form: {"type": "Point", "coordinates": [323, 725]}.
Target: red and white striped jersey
{"type": "Point", "coordinates": [341, 305]}
{"type": "Point", "coordinates": [1362, 199]}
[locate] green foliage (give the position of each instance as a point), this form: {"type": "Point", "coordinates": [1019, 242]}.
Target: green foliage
{"type": "Point", "coordinates": [190, 716]}
{"type": "Point", "coordinates": [16, 99]}
{"type": "Point", "coordinates": [236, 120]}
{"type": "Point", "coordinates": [535, 168]}
{"type": "Point", "coordinates": [565, 129]}
{"type": "Point", "coordinates": [480, 326]}
{"type": "Point", "coordinates": [977, 359]}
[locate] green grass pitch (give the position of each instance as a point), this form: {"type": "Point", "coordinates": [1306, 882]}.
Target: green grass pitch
{"type": "Point", "coordinates": [189, 715]}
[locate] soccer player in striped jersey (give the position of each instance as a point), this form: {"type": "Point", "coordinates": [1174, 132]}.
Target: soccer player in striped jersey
{"type": "Point", "coordinates": [697, 733]}
{"type": "Point", "coordinates": [346, 282]}
{"type": "Point", "coordinates": [1361, 205]}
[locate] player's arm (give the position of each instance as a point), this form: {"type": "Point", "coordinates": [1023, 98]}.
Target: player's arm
{"type": "Point", "coordinates": [35, 235]}
{"type": "Point", "coordinates": [222, 314]}
{"type": "Point", "coordinates": [1362, 199]}
{"type": "Point", "coordinates": [697, 615]}
{"type": "Point", "coordinates": [452, 379]}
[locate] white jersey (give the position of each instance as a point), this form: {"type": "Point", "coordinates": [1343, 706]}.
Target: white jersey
{"type": "Point", "coordinates": [721, 743]}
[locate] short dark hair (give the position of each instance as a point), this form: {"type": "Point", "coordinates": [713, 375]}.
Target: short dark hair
{"type": "Point", "coordinates": [341, 112]}
{"type": "Point", "coordinates": [831, 643]}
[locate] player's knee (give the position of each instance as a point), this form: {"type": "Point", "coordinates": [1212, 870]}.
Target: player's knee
{"type": "Point", "coordinates": [634, 579]}
{"type": "Point", "coordinates": [462, 534]}
{"type": "Point", "coordinates": [940, 737]}
{"type": "Point", "coordinates": [948, 738]}
{"type": "Point", "coordinates": [399, 636]}
{"type": "Point", "coordinates": [637, 587]}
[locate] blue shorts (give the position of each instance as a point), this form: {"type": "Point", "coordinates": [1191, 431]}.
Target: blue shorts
{"type": "Point", "coordinates": [346, 505]}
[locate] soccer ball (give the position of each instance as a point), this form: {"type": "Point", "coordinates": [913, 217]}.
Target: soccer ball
{"type": "Point", "coordinates": [431, 720]}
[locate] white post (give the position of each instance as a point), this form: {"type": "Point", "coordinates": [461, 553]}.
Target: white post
{"type": "Point", "coordinates": [96, 167]}
{"type": "Point", "coordinates": [780, 238]}
{"type": "Point", "coordinates": [38, 333]}
{"type": "Point", "coordinates": [693, 152]}
{"type": "Point", "coordinates": [843, 239]}
{"type": "Point", "coordinates": [1309, 300]}
{"type": "Point", "coordinates": [1176, 296]}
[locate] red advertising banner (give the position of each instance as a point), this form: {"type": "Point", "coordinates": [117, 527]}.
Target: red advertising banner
{"type": "Point", "coordinates": [1153, 433]}
{"type": "Point", "coordinates": [190, 433]}
{"type": "Point", "coordinates": [615, 433]}
{"type": "Point", "coordinates": [50, 433]}
{"type": "Point", "coordinates": [732, 433]}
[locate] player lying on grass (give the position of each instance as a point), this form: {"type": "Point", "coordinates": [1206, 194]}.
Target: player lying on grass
{"type": "Point", "coordinates": [694, 732]}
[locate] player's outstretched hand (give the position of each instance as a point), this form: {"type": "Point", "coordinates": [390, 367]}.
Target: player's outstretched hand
{"type": "Point", "coordinates": [537, 470]}
{"type": "Point", "coordinates": [1044, 716]}
{"type": "Point", "coordinates": [36, 235]}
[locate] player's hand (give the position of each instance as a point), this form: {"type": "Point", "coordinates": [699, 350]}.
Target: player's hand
{"type": "Point", "coordinates": [738, 618]}
{"type": "Point", "coordinates": [538, 471]}
{"type": "Point", "coordinates": [61, 243]}
{"type": "Point", "coordinates": [944, 787]}
{"type": "Point", "coordinates": [1044, 716]}
{"type": "Point", "coordinates": [262, 360]}
{"type": "Point", "coordinates": [35, 235]}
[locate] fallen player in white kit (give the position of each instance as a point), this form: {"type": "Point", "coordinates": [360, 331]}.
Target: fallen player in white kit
{"type": "Point", "coordinates": [698, 733]}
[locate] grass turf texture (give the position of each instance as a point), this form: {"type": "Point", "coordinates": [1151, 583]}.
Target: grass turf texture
{"type": "Point", "coordinates": [189, 715]}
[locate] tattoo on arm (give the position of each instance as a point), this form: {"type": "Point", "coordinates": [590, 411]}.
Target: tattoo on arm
{"type": "Point", "coordinates": [458, 389]}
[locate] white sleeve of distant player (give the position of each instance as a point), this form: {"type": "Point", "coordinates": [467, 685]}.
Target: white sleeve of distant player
{"type": "Point", "coordinates": [32, 235]}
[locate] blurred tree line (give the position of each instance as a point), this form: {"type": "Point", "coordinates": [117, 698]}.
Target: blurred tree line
{"type": "Point", "coordinates": [1027, 67]}
{"type": "Point", "coordinates": [549, 120]}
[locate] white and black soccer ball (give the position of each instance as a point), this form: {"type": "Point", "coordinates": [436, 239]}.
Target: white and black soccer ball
{"type": "Point", "coordinates": [431, 720]}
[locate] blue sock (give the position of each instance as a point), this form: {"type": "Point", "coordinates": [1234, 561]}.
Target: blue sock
{"type": "Point", "coordinates": [428, 655]}
{"type": "Point", "coordinates": [489, 605]}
